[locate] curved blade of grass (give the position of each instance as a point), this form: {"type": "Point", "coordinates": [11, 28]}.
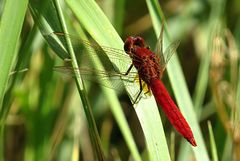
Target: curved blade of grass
{"type": "Point", "coordinates": [202, 79]}
{"type": "Point", "coordinates": [45, 15]}
{"type": "Point", "coordinates": [212, 27]}
{"type": "Point", "coordinates": [212, 141]}
{"type": "Point", "coordinates": [98, 26]}
{"type": "Point", "coordinates": [10, 29]}
{"type": "Point", "coordinates": [92, 125]}
{"type": "Point", "coordinates": [179, 84]}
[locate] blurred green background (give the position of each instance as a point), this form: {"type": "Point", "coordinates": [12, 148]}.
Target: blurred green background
{"type": "Point", "coordinates": [42, 116]}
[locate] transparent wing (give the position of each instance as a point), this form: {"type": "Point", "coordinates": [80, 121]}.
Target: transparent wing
{"type": "Point", "coordinates": [83, 48]}
{"type": "Point", "coordinates": [86, 52]}
{"type": "Point", "coordinates": [159, 43]}
{"type": "Point", "coordinates": [165, 57]}
{"type": "Point", "coordinates": [171, 49]}
{"type": "Point", "coordinates": [110, 79]}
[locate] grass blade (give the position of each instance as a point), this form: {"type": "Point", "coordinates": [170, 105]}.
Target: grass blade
{"type": "Point", "coordinates": [91, 122]}
{"type": "Point", "coordinates": [10, 29]}
{"type": "Point", "coordinates": [212, 141]}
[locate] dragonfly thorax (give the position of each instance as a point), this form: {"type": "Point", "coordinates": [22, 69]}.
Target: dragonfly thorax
{"type": "Point", "coordinates": [147, 64]}
{"type": "Point", "coordinates": [144, 60]}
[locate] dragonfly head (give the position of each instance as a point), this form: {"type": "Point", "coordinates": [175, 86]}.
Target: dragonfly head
{"type": "Point", "coordinates": [132, 43]}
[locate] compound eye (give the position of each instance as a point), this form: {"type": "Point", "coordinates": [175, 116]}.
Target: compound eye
{"type": "Point", "coordinates": [139, 41]}
{"type": "Point", "coordinates": [128, 48]}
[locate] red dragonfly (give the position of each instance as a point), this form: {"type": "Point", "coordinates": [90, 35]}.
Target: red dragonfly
{"type": "Point", "coordinates": [150, 68]}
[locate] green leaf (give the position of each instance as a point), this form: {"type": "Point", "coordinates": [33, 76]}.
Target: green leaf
{"type": "Point", "coordinates": [212, 141]}
{"type": "Point", "coordinates": [10, 29]}
{"type": "Point", "coordinates": [81, 89]}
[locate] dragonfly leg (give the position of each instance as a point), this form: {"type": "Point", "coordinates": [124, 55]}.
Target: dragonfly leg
{"type": "Point", "coordinates": [67, 60]}
{"type": "Point", "coordinates": [127, 72]}
{"type": "Point", "coordinates": [148, 91]}
{"type": "Point", "coordinates": [141, 88]}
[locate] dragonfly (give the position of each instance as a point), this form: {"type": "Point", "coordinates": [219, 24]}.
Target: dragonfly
{"type": "Point", "coordinates": [150, 67]}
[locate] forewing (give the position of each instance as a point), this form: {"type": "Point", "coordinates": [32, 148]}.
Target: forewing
{"type": "Point", "coordinates": [85, 49]}
{"type": "Point", "coordinates": [110, 79]}
{"type": "Point", "coordinates": [165, 57]}
{"type": "Point", "coordinates": [159, 42]}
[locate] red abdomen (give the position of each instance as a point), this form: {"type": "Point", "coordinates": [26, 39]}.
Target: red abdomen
{"type": "Point", "coordinates": [170, 109]}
